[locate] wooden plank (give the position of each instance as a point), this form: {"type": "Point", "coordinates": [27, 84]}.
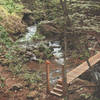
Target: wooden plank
{"type": "Point", "coordinates": [94, 59]}
{"type": "Point", "coordinates": [55, 93]}
{"type": "Point", "coordinates": [58, 90]}
{"type": "Point", "coordinates": [82, 68]}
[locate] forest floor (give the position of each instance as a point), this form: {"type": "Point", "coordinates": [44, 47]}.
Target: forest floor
{"type": "Point", "coordinates": [15, 88]}
{"type": "Point", "coordinates": [21, 86]}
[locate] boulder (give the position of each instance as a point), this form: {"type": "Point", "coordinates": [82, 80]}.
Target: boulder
{"type": "Point", "coordinates": [13, 24]}
{"type": "Point", "coordinates": [16, 87]}
{"type": "Point", "coordinates": [28, 17]}
{"type": "Point", "coordinates": [49, 29]}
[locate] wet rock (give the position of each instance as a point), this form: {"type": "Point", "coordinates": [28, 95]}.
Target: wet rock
{"type": "Point", "coordinates": [37, 51]}
{"type": "Point", "coordinates": [29, 53]}
{"type": "Point", "coordinates": [28, 18]}
{"type": "Point", "coordinates": [30, 48]}
{"type": "Point", "coordinates": [33, 58]}
{"type": "Point", "coordinates": [32, 95]}
{"type": "Point", "coordinates": [16, 87]}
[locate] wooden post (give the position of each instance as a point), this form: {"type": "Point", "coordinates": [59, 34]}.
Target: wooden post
{"type": "Point", "coordinates": [48, 76]}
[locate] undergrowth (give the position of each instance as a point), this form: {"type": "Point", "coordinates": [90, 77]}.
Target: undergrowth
{"type": "Point", "coordinates": [11, 6]}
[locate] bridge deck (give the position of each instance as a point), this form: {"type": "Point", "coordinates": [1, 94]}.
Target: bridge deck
{"type": "Point", "coordinates": [82, 68]}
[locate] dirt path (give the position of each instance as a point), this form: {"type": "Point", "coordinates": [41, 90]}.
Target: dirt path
{"type": "Point", "coordinates": [9, 81]}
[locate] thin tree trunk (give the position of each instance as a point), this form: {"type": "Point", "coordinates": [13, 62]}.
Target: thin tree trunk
{"type": "Point", "coordinates": [67, 24]}
{"type": "Point", "coordinates": [65, 75]}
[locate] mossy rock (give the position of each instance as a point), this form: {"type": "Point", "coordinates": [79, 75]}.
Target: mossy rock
{"type": "Point", "coordinates": [3, 13]}
{"type": "Point", "coordinates": [11, 22]}
{"type": "Point", "coordinates": [49, 29]}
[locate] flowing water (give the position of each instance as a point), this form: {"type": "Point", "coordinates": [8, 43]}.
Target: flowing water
{"type": "Point", "coordinates": [57, 52]}
{"type": "Point", "coordinates": [26, 42]}
{"type": "Point", "coordinates": [31, 32]}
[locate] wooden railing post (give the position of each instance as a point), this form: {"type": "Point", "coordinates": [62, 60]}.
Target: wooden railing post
{"type": "Point", "coordinates": [47, 76]}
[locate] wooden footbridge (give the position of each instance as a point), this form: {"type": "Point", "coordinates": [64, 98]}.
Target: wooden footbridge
{"type": "Point", "coordinates": [72, 75]}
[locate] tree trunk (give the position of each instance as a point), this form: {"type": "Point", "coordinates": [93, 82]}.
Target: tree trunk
{"type": "Point", "coordinates": [67, 24]}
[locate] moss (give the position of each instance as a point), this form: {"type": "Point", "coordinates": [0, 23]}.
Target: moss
{"type": "Point", "coordinates": [3, 12]}
{"type": "Point", "coordinates": [11, 22]}
{"type": "Point", "coordinates": [11, 6]}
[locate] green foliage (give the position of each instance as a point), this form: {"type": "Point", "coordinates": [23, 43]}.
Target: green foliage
{"type": "Point", "coordinates": [41, 61]}
{"type": "Point", "coordinates": [15, 69]}
{"type": "Point", "coordinates": [11, 6]}
{"type": "Point", "coordinates": [32, 78]}
{"type": "Point", "coordinates": [11, 52]}
{"type": "Point", "coordinates": [2, 85]}
{"type": "Point", "coordinates": [38, 36]}
{"type": "Point", "coordinates": [45, 10]}
{"type": "Point", "coordinates": [2, 79]}
{"type": "Point", "coordinates": [16, 61]}
{"type": "Point", "coordinates": [4, 37]}
{"type": "Point", "coordinates": [85, 96]}
{"type": "Point", "coordinates": [47, 53]}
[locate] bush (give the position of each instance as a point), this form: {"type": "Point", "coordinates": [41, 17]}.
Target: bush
{"type": "Point", "coordinates": [4, 38]}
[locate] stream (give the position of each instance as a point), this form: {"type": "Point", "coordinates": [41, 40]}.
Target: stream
{"type": "Point", "coordinates": [31, 32]}
{"type": "Point", "coordinates": [26, 42]}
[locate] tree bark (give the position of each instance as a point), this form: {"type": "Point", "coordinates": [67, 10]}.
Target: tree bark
{"type": "Point", "coordinates": [67, 24]}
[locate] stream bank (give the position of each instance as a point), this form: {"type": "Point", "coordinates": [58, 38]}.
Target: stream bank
{"type": "Point", "coordinates": [34, 53]}
{"type": "Point", "coordinates": [33, 66]}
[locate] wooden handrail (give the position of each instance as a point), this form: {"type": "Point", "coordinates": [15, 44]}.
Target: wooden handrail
{"type": "Point", "coordinates": [76, 72]}
{"type": "Point", "coordinates": [48, 76]}
{"type": "Point", "coordinates": [82, 68]}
